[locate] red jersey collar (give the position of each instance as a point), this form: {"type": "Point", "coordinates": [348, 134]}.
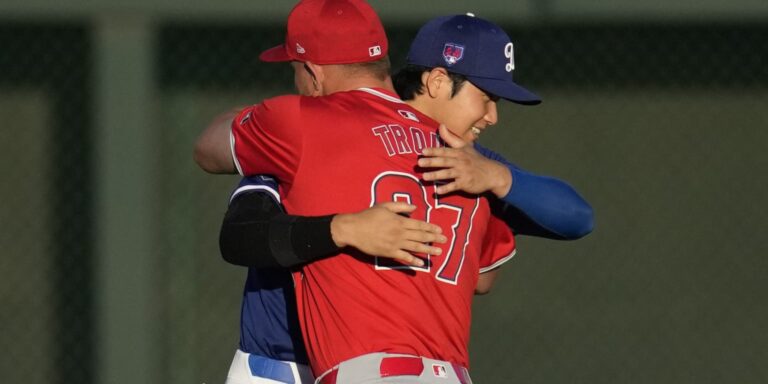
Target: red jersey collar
{"type": "Point", "coordinates": [384, 94]}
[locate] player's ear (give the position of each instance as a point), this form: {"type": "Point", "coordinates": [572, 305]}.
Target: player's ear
{"type": "Point", "coordinates": [435, 82]}
{"type": "Point", "coordinates": [318, 76]}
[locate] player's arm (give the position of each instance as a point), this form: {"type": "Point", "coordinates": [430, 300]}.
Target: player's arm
{"type": "Point", "coordinates": [266, 138]}
{"type": "Point", "coordinates": [256, 231]}
{"type": "Point", "coordinates": [531, 204]}
{"type": "Point", "coordinates": [213, 147]}
{"type": "Point", "coordinates": [485, 282]}
{"type": "Point", "coordinates": [498, 247]}
{"type": "Point", "coordinates": [541, 206]}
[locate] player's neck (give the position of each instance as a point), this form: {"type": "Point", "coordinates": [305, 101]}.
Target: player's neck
{"type": "Point", "coordinates": [339, 78]}
{"type": "Point", "coordinates": [348, 84]}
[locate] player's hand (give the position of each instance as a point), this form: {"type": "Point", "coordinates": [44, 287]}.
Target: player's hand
{"type": "Point", "coordinates": [464, 169]}
{"type": "Point", "coordinates": [382, 231]}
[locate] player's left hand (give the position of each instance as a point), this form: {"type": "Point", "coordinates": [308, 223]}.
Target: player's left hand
{"type": "Point", "coordinates": [464, 168]}
{"type": "Point", "coordinates": [383, 231]}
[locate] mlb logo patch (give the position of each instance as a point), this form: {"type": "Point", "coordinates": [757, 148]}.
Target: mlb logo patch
{"type": "Point", "coordinates": [452, 53]}
{"type": "Point", "coordinates": [374, 51]}
{"type": "Point", "coordinates": [408, 115]}
{"type": "Point", "coordinates": [439, 370]}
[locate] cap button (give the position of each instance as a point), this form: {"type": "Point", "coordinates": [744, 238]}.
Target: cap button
{"type": "Point", "coordinates": [470, 14]}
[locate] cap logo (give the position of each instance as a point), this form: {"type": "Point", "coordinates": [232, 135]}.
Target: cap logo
{"type": "Point", "coordinates": [300, 49]}
{"type": "Point", "coordinates": [452, 53]}
{"type": "Point", "coordinates": [509, 53]}
{"type": "Point", "coordinates": [374, 51]}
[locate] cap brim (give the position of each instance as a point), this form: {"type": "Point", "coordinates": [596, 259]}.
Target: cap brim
{"type": "Point", "coordinates": [275, 54]}
{"type": "Point", "coordinates": [506, 89]}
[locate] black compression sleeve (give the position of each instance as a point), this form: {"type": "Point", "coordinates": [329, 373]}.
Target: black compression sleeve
{"type": "Point", "coordinates": [257, 233]}
{"type": "Point", "coordinates": [297, 240]}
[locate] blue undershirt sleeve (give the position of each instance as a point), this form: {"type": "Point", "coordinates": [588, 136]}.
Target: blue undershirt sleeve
{"type": "Point", "coordinates": [540, 205]}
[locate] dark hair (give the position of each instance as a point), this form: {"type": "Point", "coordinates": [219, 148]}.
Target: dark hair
{"type": "Point", "coordinates": [407, 81]}
{"type": "Point", "coordinates": [379, 68]}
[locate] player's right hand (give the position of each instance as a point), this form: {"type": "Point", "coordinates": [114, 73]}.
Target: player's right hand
{"type": "Point", "coordinates": [384, 231]}
{"type": "Point", "coordinates": [462, 168]}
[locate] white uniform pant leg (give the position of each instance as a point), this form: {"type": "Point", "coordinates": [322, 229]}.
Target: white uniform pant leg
{"type": "Point", "coordinates": [240, 372]}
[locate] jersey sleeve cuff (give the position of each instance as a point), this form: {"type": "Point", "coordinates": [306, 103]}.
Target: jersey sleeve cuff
{"type": "Point", "coordinates": [234, 154]}
{"type": "Point", "coordinates": [499, 262]}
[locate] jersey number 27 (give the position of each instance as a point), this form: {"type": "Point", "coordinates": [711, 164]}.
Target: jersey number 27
{"type": "Point", "coordinates": [451, 213]}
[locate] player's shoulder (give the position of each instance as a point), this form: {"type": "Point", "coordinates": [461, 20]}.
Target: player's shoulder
{"type": "Point", "coordinates": [282, 102]}
{"type": "Point", "coordinates": [382, 101]}
{"type": "Point", "coordinates": [298, 105]}
{"type": "Point", "coordinates": [274, 111]}
{"type": "Point", "coordinates": [392, 101]}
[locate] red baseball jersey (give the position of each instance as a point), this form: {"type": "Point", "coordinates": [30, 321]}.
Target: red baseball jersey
{"type": "Point", "coordinates": [344, 153]}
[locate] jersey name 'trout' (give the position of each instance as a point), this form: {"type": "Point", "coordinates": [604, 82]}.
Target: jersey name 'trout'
{"type": "Point", "coordinates": [398, 140]}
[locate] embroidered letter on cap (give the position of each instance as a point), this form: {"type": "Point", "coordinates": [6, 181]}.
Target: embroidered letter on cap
{"type": "Point", "coordinates": [509, 53]}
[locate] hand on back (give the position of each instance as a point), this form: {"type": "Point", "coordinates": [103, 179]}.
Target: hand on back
{"type": "Point", "coordinates": [383, 230]}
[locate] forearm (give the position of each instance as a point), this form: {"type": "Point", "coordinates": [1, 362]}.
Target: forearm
{"type": "Point", "coordinates": [485, 282]}
{"type": "Point", "coordinates": [552, 206]}
{"type": "Point", "coordinates": [213, 151]}
{"type": "Point", "coordinates": [541, 205]}
{"type": "Point", "coordinates": [256, 233]}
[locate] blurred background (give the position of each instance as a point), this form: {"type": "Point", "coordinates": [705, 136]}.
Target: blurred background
{"type": "Point", "coordinates": [656, 111]}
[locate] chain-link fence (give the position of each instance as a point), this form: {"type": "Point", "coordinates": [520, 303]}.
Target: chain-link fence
{"type": "Point", "coordinates": [45, 274]}
{"type": "Point", "coordinates": [661, 127]}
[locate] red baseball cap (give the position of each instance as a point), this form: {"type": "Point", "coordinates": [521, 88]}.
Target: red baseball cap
{"type": "Point", "coordinates": [331, 32]}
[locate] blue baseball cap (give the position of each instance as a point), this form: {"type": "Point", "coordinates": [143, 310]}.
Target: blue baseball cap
{"type": "Point", "coordinates": [475, 48]}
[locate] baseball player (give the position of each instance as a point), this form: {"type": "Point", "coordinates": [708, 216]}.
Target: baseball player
{"type": "Point", "coordinates": [269, 325]}
{"type": "Point", "coordinates": [269, 332]}
{"type": "Point", "coordinates": [398, 147]}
